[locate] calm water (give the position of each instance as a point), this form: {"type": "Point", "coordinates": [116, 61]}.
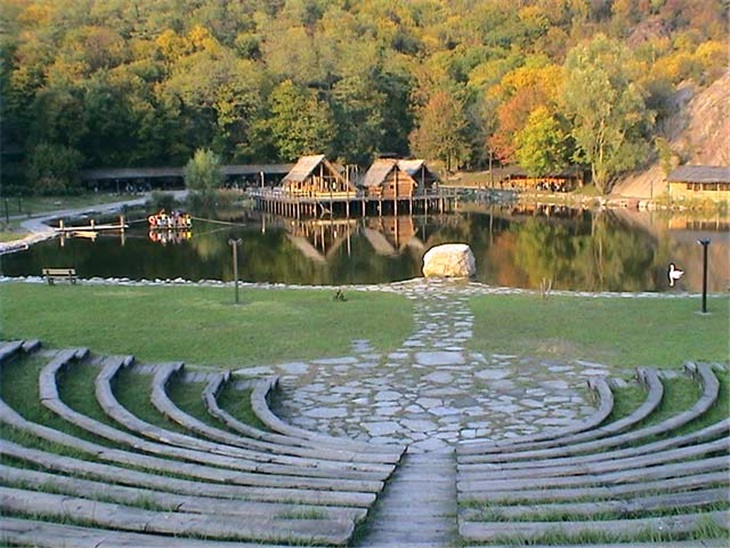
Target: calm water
{"type": "Point", "coordinates": [579, 250]}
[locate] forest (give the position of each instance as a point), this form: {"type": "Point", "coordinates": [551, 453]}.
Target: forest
{"type": "Point", "coordinates": [543, 84]}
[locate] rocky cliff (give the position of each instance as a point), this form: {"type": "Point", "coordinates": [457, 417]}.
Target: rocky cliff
{"type": "Point", "coordinates": [698, 132]}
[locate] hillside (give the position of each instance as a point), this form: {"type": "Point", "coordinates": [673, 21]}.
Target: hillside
{"type": "Point", "coordinates": [698, 133]}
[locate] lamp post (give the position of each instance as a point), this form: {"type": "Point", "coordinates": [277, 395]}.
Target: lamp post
{"type": "Point", "coordinates": [704, 243]}
{"type": "Point", "coordinates": [234, 246]}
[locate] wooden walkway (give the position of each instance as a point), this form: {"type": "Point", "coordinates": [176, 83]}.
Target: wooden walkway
{"type": "Point", "coordinates": [351, 204]}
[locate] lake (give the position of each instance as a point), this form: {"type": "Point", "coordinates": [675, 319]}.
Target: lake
{"type": "Point", "coordinates": [514, 246]}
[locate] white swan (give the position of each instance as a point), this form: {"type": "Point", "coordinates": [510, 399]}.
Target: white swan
{"type": "Point", "coordinates": [674, 274]}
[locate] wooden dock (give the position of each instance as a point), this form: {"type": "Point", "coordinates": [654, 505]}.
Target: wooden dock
{"type": "Point", "coordinates": [92, 227]}
{"type": "Point", "coordinates": [351, 204]}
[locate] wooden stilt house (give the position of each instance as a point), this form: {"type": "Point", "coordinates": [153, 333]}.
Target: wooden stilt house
{"type": "Point", "coordinates": [425, 179]}
{"type": "Point", "coordinates": [385, 179]}
{"type": "Point", "coordinates": [315, 176]}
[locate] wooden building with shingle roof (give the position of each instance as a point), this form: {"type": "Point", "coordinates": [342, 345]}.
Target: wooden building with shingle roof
{"type": "Point", "coordinates": [395, 179]}
{"type": "Point", "coordinates": [424, 177]}
{"type": "Point", "coordinates": [315, 175]}
{"type": "Point", "coordinates": [703, 182]}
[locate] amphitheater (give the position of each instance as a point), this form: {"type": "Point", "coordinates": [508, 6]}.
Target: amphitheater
{"type": "Point", "coordinates": [366, 450]}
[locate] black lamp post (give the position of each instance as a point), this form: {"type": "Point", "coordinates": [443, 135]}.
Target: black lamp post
{"type": "Point", "coordinates": [234, 246]}
{"type": "Point", "coordinates": [704, 243]}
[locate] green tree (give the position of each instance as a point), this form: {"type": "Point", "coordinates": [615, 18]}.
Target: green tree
{"type": "Point", "coordinates": [606, 108]}
{"type": "Point", "coordinates": [358, 107]}
{"type": "Point", "coordinates": [300, 123]}
{"type": "Point", "coordinates": [543, 144]}
{"type": "Point", "coordinates": [203, 171]}
{"type": "Point", "coordinates": [55, 169]}
{"type": "Point", "coordinates": [442, 131]}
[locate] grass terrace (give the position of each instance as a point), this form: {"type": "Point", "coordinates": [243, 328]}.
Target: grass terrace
{"type": "Point", "coordinates": [621, 332]}
{"type": "Point", "coordinates": [201, 325]}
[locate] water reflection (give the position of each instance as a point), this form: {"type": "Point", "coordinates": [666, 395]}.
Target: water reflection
{"type": "Point", "coordinates": [622, 250]}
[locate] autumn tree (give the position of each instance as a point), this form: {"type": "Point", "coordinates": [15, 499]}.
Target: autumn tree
{"type": "Point", "coordinates": [521, 91]}
{"type": "Point", "coordinates": [543, 145]}
{"type": "Point", "coordinates": [442, 131]}
{"type": "Point", "coordinates": [147, 83]}
{"type": "Point", "coordinates": [607, 110]}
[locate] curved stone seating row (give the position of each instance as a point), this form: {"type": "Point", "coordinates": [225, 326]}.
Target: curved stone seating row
{"type": "Point", "coordinates": [644, 503]}
{"type": "Point", "coordinates": [199, 486]}
{"type": "Point", "coordinates": [582, 473]}
{"type": "Point", "coordinates": [696, 478]}
{"type": "Point", "coordinates": [703, 435]}
{"type": "Point", "coordinates": [337, 459]}
{"type": "Point", "coordinates": [680, 524]}
{"type": "Point", "coordinates": [198, 504]}
{"type": "Point", "coordinates": [264, 462]}
{"type": "Point", "coordinates": [254, 473]}
{"type": "Point", "coordinates": [43, 534]}
{"type": "Point", "coordinates": [129, 518]}
{"type": "Point", "coordinates": [117, 473]}
{"type": "Point", "coordinates": [612, 480]}
{"type": "Point", "coordinates": [11, 349]}
{"type": "Point", "coordinates": [710, 393]}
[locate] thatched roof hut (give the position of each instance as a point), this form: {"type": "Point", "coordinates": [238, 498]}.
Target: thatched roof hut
{"type": "Point", "coordinates": [386, 179]}
{"type": "Point", "coordinates": [315, 175]}
{"type": "Point", "coordinates": [424, 177]}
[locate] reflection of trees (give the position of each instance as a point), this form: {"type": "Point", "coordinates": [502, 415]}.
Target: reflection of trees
{"type": "Point", "coordinates": [363, 266]}
{"type": "Point", "coordinates": [609, 258]}
{"type": "Point", "coordinates": [545, 251]}
{"type": "Point", "coordinates": [272, 257]}
{"type": "Point", "coordinates": [210, 245]}
{"type": "Point", "coordinates": [614, 259]}
{"type": "Point", "coordinates": [601, 251]}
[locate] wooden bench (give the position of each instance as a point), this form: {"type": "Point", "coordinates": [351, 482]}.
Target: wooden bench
{"type": "Point", "coordinates": [53, 274]}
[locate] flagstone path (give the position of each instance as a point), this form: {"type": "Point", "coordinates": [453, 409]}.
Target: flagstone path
{"type": "Point", "coordinates": [432, 392]}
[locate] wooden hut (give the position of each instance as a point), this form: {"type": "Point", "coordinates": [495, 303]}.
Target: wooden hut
{"type": "Point", "coordinates": [703, 182]}
{"type": "Point", "coordinates": [315, 176]}
{"type": "Point", "coordinates": [418, 170]}
{"type": "Point", "coordinates": [385, 179]}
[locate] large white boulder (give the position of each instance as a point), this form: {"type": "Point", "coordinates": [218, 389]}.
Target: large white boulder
{"type": "Point", "coordinates": [449, 261]}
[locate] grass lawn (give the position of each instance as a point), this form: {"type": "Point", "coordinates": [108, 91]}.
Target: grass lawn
{"type": "Point", "coordinates": [613, 331]}
{"type": "Point", "coordinates": [34, 205]}
{"type": "Point", "coordinates": [200, 325]}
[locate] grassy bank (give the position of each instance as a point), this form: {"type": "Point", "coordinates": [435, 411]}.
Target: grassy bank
{"type": "Point", "coordinates": [200, 324]}
{"type": "Point", "coordinates": [619, 332]}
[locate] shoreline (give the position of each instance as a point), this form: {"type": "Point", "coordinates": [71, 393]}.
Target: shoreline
{"type": "Point", "coordinates": [425, 284]}
{"type": "Point", "coordinates": [39, 231]}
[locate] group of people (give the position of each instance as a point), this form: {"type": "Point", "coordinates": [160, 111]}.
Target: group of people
{"type": "Point", "coordinates": [173, 220]}
{"type": "Point", "coordinates": [165, 237]}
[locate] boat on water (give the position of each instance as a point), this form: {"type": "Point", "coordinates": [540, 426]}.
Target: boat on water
{"type": "Point", "coordinates": [167, 221]}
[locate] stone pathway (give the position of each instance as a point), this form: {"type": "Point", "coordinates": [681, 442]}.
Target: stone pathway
{"type": "Point", "coordinates": [431, 392]}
